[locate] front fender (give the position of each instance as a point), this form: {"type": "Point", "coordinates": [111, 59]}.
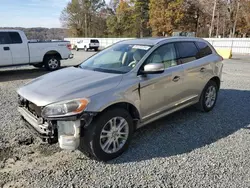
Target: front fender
{"type": "Point", "coordinates": [104, 100]}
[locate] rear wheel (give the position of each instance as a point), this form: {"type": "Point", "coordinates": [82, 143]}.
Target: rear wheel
{"type": "Point", "coordinates": [208, 97]}
{"type": "Point", "coordinates": [52, 63]}
{"type": "Point", "coordinates": [108, 136]}
{"type": "Point", "coordinates": [96, 49]}
{"type": "Point", "coordinates": [85, 48]}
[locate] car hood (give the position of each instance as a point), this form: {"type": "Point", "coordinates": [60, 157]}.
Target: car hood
{"type": "Point", "coordinates": [66, 84]}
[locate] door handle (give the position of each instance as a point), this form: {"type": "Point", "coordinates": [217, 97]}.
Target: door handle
{"type": "Point", "coordinates": [176, 78]}
{"type": "Point", "coordinates": [6, 48]}
{"type": "Point", "coordinates": [202, 69]}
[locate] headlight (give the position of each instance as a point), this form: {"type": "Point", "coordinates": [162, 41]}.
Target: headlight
{"type": "Point", "coordinates": [65, 108]}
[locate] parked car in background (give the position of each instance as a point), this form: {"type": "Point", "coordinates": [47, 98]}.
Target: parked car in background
{"type": "Point", "coordinates": [16, 50]}
{"type": "Point", "coordinates": [87, 44]}
{"type": "Point", "coordinates": [98, 105]}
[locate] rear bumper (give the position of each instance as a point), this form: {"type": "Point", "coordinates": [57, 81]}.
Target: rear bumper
{"type": "Point", "coordinates": [71, 56]}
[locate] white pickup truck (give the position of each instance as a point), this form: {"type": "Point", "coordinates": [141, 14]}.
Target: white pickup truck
{"type": "Point", "coordinates": [15, 49]}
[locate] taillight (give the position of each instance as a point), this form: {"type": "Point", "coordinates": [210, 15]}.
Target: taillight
{"type": "Point", "coordinates": [69, 46]}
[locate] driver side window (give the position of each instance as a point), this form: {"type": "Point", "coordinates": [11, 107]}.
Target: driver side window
{"type": "Point", "coordinates": [164, 54]}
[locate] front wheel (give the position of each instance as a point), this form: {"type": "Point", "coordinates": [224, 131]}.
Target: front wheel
{"type": "Point", "coordinates": [52, 63]}
{"type": "Point", "coordinates": [108, 136]}
{"type": "Point", "coordinates": [208, 97]}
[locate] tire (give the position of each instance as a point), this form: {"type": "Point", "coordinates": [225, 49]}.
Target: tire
{"type": "Point", "coordinates": [210, 88]}
{"type": "Point", "coordinates": [85, 48]}
{"type": "Point", "coordinates": [77, 49]}
{"type": "Point", "coordinates": [96, 49]}
{"type": "Point", "coordinates": [94, 145]}
{"type": "Point", "coordinates": [52, 63]}
{"type": "Point", "coordinates": [39, 65]}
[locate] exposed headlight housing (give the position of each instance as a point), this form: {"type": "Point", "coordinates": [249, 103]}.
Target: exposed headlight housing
{"type": "Point", "coordinates": [65, 108]}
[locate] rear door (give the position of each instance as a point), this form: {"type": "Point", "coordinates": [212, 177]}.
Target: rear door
{"type": "Point", "coordinates": [5, 53]}
{"type": "Point", "coordinates": [161, 92]}
{"type": "Point", "coordinates": [19, 49]}
{"type": "Point", "coordinates": [194, 69]}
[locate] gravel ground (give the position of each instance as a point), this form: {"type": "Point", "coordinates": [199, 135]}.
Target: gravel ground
{"type": "Point", "coordinates": [185, 149]}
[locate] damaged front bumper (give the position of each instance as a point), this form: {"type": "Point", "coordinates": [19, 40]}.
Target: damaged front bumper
{"type": "Point", "coordinates": [40, 128]}
{"type": "Point", "coordinates": [66, 130]}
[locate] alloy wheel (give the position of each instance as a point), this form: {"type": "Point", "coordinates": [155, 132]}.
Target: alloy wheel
{"type": "Point", "coordinates": [114, 135]}
{"type": "Point", "coordinates": [210, 96]}
{"type": "Point", "coordinates": [53, 63]}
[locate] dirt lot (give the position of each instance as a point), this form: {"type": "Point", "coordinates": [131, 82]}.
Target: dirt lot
{"type": "Point", "coordinates": [185, 149]}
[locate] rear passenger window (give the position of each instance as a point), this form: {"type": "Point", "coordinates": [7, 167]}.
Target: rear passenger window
{"type": "Point", "coordinates": [4, 38]}
{"type": "Point", "coordinates": [15, 38]}
{"type": "Point", "coordinates": [204, 49]}
{"type": "Point", "coordinates": [187, 51]}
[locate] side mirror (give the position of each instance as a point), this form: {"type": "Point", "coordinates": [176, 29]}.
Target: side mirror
{"type": "Point", "coordinates": [153, 68]}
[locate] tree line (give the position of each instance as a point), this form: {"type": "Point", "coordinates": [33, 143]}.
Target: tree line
{"type": "Point", "coordinates": [142, 18]}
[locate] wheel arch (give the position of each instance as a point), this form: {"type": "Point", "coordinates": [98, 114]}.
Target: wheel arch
{"type": "Point", "coordinates": [133, 111]}
{"type": "Point", "coordinates": [217, 80]}
{"type": "Point", "coordinates": [52, 53]}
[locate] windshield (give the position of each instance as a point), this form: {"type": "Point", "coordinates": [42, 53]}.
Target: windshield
{"type": "Point", "coordinates": [119, 58]}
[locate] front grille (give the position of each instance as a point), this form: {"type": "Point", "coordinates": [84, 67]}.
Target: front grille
{"type": "Point", "coordinates": [34, 109]}
{"type": "Point", "coordinates": [44, 128]}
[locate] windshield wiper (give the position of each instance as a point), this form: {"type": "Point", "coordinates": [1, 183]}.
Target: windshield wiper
{"type": "Point", "coordinates": [108, 71]}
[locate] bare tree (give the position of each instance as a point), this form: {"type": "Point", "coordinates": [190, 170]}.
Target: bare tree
{"type": "Point", "coordinates": [218, 25]}
{"type": "Point", "coordinates": [233, 11]}
{"type": "Point", "coordinates": [236, 17]}
{"type": "Point", "coordinates": [212, 21]}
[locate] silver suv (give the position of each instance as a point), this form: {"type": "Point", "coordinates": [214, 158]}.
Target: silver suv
{"type": "Point", "coordinates": [97, 105]}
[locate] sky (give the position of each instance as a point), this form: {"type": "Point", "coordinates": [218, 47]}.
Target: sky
{"type": "Point", "coordinates": [31, 13]}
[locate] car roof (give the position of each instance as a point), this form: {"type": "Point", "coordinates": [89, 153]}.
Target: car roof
{"type": "Point", "coordinates": [155, 40]}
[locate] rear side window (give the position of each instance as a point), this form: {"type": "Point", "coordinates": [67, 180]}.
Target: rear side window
{"type": "Point", "coordinates": [15, 38]}
{"type": "Point", "coordinates": [187, 51]}
{"type": "Point", "coordinates": [4, 38]}
{"type": "Point", "coordinates": [204, 49]}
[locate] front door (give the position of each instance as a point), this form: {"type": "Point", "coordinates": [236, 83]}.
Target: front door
{"type": "Point", "coordinates": [161, 92]}
{"type": "Point", "coordinates": [19, 49]}
{"type": "Point", "coordinates": [5, 52]}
